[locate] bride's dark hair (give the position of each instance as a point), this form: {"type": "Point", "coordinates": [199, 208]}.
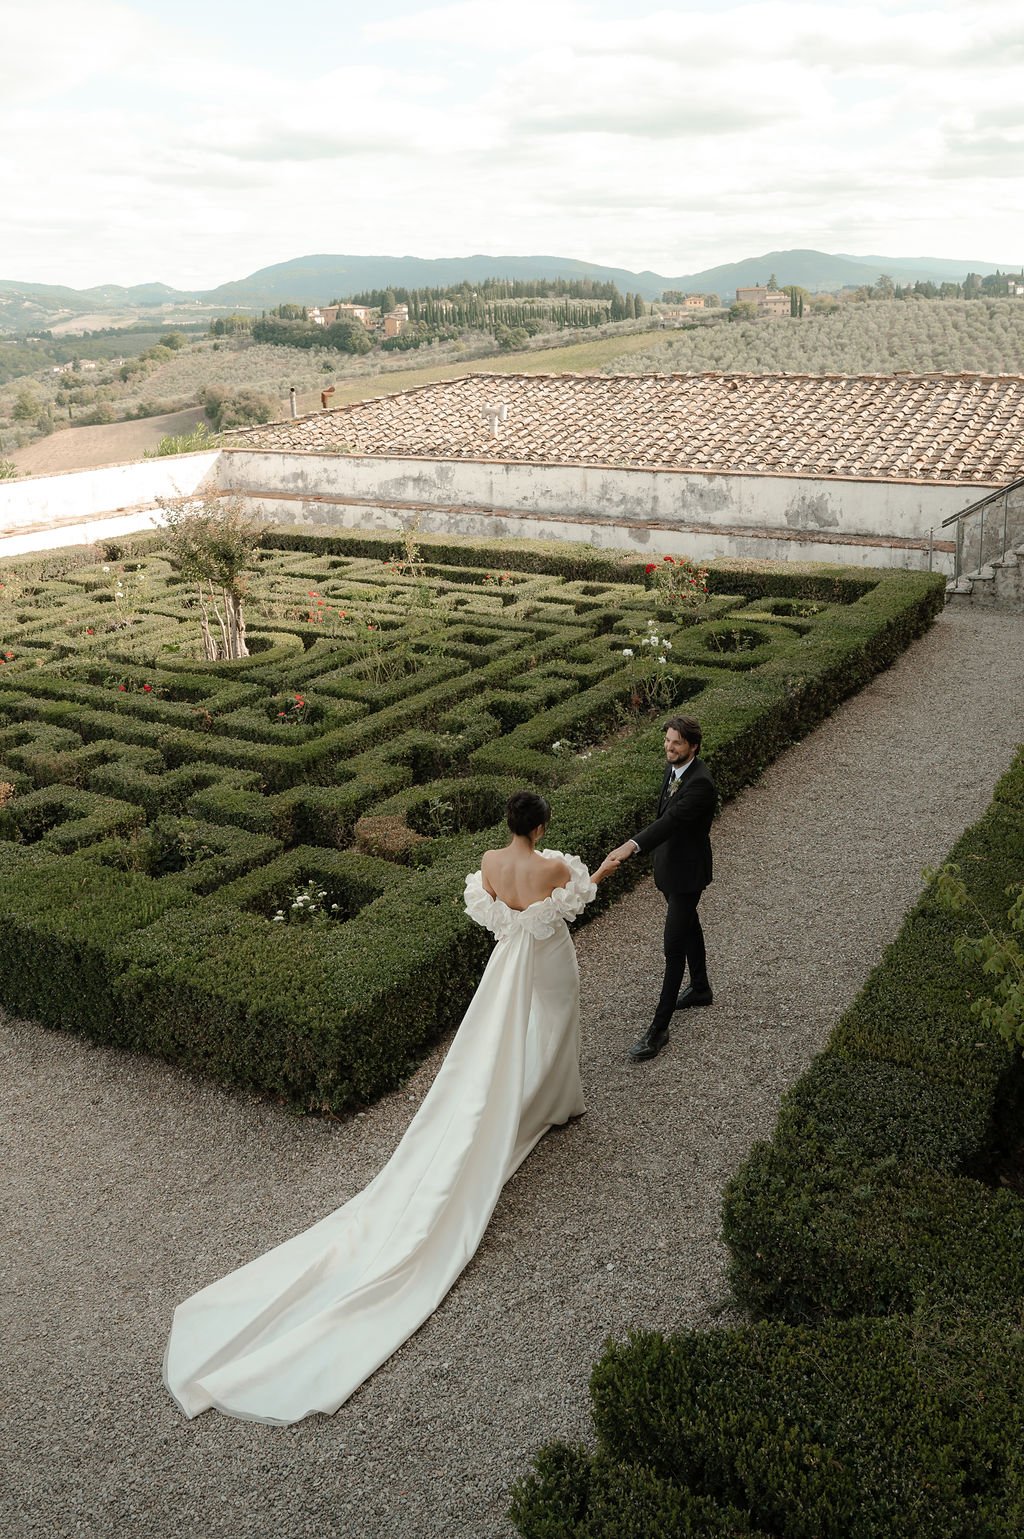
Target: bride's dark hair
{"type": "Point", "coordinates": [526, 811]}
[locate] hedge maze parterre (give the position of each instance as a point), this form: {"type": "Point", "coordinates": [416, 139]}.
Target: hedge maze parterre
{"type": "Point", "coordinates": [159, 812]}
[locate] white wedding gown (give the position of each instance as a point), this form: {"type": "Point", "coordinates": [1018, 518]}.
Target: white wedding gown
{"type": "Point", "coordinates": [299, 1329]}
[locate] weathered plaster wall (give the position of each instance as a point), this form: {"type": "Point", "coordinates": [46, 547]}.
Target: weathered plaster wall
{"type": "Point", "coordinates": [905, 508]}
{"type": "Point", "coordinates": [705, 515]}
{"type": "Point", "coordinates": [671, 512]}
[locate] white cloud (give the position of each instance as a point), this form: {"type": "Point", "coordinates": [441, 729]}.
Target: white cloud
{"type": "Point", "coordinates": [673, 139]}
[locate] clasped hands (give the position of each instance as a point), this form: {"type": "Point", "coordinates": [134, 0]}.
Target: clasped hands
{"type": "Point", "coordinates": [613, 860]}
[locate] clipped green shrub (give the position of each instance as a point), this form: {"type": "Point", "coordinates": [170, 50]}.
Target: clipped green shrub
{"type": "Point", "coordinates": [871, 1195]}
{"type": "Point", "coordinates": [863, 1429]}
{"type": "Point", "coordinates": [394, 706]}
{"type": "Point", "coordinates": [573, 1495]}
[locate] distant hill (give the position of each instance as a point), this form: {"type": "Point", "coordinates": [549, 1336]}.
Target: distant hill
{"type": "Point", "coordinates": [823, 273]}
{"type": "Point", "coordinates": [86, 299]}
{"type": "Point", "coordinates": [319, 279]}
{"type": "Point", "coordinates": [931, 269]}
{"type": "Point", "coordinates": [814, 270]}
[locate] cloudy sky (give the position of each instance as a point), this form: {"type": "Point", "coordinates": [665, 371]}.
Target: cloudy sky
{"type": "Point", "coordinates": [196, 143]}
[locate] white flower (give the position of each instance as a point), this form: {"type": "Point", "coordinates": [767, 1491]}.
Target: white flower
{"type": "Point", "coordinates": [667, 645]}
{"type": "Point", "coordinates": [627, 651]}
{"type": "Point", "coordinates": [663, 659]}
{"type": "Point", "coordinates": [278, 917]}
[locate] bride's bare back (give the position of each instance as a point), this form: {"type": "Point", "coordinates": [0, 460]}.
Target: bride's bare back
{"type": "Point", "coordinates": [519, 876]}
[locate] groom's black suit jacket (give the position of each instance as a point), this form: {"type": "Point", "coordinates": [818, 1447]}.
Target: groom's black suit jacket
{"type": "Point", "coordinates": [680, 836]}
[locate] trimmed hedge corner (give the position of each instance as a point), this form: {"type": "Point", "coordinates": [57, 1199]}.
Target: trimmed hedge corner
{"type": "Point", "coordinates": [863, 1429]}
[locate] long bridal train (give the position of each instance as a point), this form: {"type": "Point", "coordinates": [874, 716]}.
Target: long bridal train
{"type": "Point", "coordinates": [299, 1329]}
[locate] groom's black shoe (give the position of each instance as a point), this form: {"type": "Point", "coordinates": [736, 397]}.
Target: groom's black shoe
{"type": "Point", "coordinates": [650, 1044]}
{"type": "Point", "coordinates": [690, 997]}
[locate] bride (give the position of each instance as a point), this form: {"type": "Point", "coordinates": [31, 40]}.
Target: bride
{"type": "Point", "coordinates": [299, 1329]}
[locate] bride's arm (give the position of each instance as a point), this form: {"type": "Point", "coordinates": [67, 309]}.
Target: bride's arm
{"type": "Point", "coordinates": [484, 878]}
{"type": "Point", "coordinates": [607, 868]}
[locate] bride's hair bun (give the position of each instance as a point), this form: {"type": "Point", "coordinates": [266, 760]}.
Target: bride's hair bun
{"type": "Point", "coordinates": [526, 811]}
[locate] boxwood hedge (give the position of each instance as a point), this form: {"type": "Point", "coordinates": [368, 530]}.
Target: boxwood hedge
{"type": "Point", "coordinates": [183, 797]}
{"type": "Point", "coordinates": [883, 1393]}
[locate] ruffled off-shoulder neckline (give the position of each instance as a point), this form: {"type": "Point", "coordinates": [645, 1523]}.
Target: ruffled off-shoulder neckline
{"type": "Point", "coordinates": [538, 919]}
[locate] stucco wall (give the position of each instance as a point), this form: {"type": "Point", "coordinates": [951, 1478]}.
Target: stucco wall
{"type": "Point", "coordinates": [78, 495]}
{"type": "Point", "coordinates": [644, 539]}
{"type": "Point", "coordinates": [904, 508]}
{"type": "Point", "coordinates": [875, 523]}
{"type": "Point", "coordinates": [671, 512]}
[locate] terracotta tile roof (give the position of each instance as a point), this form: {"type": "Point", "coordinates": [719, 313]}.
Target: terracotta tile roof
{"type": "Point", "coordinates": [933, 427]}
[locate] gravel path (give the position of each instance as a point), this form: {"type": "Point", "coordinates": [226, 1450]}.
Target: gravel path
{"type": "Point", "coordinates": [127, 1184]}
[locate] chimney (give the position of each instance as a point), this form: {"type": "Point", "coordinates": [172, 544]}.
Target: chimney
{"type": "Point", "coordinates": [494, 415]}
{"type": "Point", "coordinates": [292, 400]}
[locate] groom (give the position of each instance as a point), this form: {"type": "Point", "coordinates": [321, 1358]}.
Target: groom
{"type": "Point", "coordinates": [680, 837]}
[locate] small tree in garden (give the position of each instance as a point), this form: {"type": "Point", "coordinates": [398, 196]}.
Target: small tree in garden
{"type": "Point", "coordinates": [213, 546]}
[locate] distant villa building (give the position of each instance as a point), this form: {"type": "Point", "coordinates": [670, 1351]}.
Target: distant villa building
{"type": "Point", "coordinates": [396, 321]}
{"type": "Point", "coordinates": [768, 301]}
{"type": "Point", "coordinates": [392, 324]}
{"type": "Point", "coordinates": [327, 315]}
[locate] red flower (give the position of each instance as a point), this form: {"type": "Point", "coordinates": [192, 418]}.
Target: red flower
{"type": "Point", "coordinates": [147, 689]}
{"type": "Point", "coordinates": [280, 713]}
{"type": "Point", "coordinates": [122, 687]}
{"type": "Point", "coordinates": [89, 631]}
{"type": "Point", "coordinates": [311, 593]}
{"type": "Point", "coordinates": [650, 567]}
{"type": "Point", "coordinates": [299, 700]}
{"type": "Point", "coordinates": [669, 558]}
{"type": "Point", "coordinates": [319, 601]}
{"type": "Point", "coordinates": [341, 614]}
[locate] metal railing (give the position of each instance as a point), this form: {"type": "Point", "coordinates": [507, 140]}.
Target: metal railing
{"type": "Point", "coordinates": [988, 529]}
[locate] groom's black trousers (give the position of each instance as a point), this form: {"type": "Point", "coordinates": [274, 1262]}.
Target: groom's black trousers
{"type": "Point", "coordinates": [684, 948]}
